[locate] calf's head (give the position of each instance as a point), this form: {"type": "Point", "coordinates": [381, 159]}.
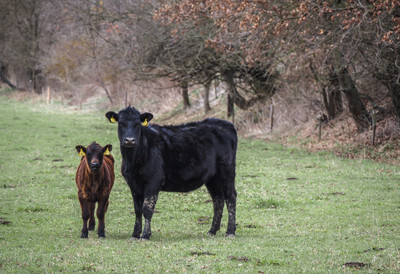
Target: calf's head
{"type": "Point", "coordinates": [130, 124]}
{"type": "Point", "coordinates": [94, 154]}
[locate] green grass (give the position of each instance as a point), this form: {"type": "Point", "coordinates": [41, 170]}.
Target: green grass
{"type": "Point", "coordinates": [296, 211]}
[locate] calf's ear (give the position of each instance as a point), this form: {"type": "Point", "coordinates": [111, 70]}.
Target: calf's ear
{"type": "Point", "coordinates": [112, 116]}
{"type": "Point", "coordinates": [107, 149]}
{"type": "Point", "coordinates": [81, 150]}
{"type": "Point", "coordinates": [145, 118]}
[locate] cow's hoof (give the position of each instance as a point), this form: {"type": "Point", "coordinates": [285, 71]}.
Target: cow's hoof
{"type": "Point", "coordinates": [211, 234]}
{"type": "Point", "coordinates": [83, 236]}
{"type": "Point", "coordinates": [134, 239]}
{"type": "Point", "coordinates": [230, 236]}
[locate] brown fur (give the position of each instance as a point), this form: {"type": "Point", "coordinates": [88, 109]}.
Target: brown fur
{"type": "Point", "coordinates": [94, 187]}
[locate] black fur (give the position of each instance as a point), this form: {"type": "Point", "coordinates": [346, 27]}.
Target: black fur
{"type": "Point", "coordinates": [178, 159]}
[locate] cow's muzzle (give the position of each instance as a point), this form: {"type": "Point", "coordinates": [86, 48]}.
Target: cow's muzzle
{"type": "Point", "coordinates": [129, 142]}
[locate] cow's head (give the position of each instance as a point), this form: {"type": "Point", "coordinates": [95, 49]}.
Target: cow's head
{"type": "Point", "coordinates": [94, 154]}
{"type": "Point", "coordinates": [130, 123]}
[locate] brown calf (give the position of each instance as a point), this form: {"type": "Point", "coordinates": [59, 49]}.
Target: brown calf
{"type": "Point", "coordinates": [94, 179]}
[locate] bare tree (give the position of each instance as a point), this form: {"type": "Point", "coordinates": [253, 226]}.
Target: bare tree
{"type": "Point", "coordinates": [28, 28]}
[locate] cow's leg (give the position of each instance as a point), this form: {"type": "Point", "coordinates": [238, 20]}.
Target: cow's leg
{"type": "Point", "coordinates": [148, 210]}
{"type": "Point", "coordinates": [230, 199]}
{"type": "Point", "coordinates": [138, 203]}
{"type": "Point", "coordinates": [218, 203]}
{"type": "Point", "coordinates": [101, 212]}
{"type": "Point", "coordinates": [231, 206]}
{"type": "Point", "coordinates": [92, 220]}
{"type": "Point", "coordinates": [85, 217]}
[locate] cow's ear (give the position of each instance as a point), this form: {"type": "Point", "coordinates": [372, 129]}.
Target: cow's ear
{"type": "Point", "coordinates": [145, 118]}
{"type": "Point", "coordinates": [107, 149]}
{"type": "Point", "coordinates": [112, 116]}
{"type": "Point", "coordinates": [81, 150]}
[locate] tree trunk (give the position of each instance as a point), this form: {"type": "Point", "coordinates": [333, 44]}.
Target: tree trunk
{"type": "Point", "coordinates": [331, 94]}
{"type": "Point", "coordinates": [234, 95]}
{"type": "Point", "coordinates": [230, 108]}
{"type": "Point", "coordinates": [35, 76]}
{"type": "Point", "coordinates": [185, 94]}
{"type": "Point", "coordinates": [333, 97]}
{"type": "Point", "coordinates": [207, 87]}
{"type": "Point", "coordinates": [3, 77]}
{"type": "Point", "coordinates": [394, 89]}
{"type": "Point", "coordinates": [333, 102]}
{"type": "Point", "coordinates": [356, 106]}
{"type": "Point", "coordinates": [228, 78]}
{"type": "Point", "coordinates": [389, 77]}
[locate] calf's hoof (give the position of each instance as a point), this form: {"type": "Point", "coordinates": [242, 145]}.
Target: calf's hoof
{"type": "Point", "coordinates": [230, 236]}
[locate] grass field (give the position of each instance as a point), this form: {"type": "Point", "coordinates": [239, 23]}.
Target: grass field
{"type": "Point", "coordinates": [296, 211]}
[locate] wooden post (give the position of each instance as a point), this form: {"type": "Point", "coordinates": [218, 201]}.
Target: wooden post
{"type": "Point", "coordinates": [373, 116]}
{"type": "Point", "coordinates": [271, 112]}
{"type": "Point", "coordinates": [48, 95]}
{"type": "Point", "coordinates": [126, 98]}
{"type": "Point", "coordinates": [319, 118]}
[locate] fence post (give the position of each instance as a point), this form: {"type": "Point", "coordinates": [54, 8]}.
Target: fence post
{"type": "Point", "coordinates": [319, 118]}
{"type": "Point", "coordinates": [373, 126]}
{"type": "Point", "coordinates": [271, 111]}
{"type": "Point", "coordinates": [126, 98]}
{"type": "Point", "coordinates": [48, 95]}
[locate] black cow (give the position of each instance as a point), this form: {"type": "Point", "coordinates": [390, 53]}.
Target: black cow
{"type": "Point", "coordinates": [177, 159]}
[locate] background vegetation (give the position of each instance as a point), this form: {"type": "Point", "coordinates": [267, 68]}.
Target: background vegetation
{"type": "Point", "coordinates": [297, 211]}
{"type": "Point", "coordinates": [281, 61]}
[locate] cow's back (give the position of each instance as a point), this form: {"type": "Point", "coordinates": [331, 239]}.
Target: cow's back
{"type": "Point", "coordinates": [196, 152]}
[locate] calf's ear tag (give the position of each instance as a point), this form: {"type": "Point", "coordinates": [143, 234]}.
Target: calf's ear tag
{"type": "Point", "coordinates": [81, 153]}
{"type": "Point", "coordinates": [107, 152]}
{"type": "Point", "coordinates": [145, 123]}
{"type": "Point", "coordinates": [113, 119]}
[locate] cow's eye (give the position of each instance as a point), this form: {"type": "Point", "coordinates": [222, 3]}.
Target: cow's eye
{"type": "Point", "coordinates": [123, 124]}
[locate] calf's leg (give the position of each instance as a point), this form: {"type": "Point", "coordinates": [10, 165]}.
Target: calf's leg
{"type": "Point", "coordinates": [85, 217]}
{"type": "Point", "coordinates": [101, 212]}
{"type": "Point", "coordinates": [92, 221]}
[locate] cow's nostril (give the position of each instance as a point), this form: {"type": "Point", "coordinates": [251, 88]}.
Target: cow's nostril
{"type": "Point", "coordinates": [129, 140]}
{"type": "Point", "coordinates": [95, 165]}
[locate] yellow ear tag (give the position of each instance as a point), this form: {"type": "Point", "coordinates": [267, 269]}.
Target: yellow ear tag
{"type": "Point", "coordinates": [113, 119]}
{"type": "Point", "coordinates": [81, 153]}
{"type": "Point", "coordinates": [107, 152]}
{"type": "Point", "coordinates": [145, 123]}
